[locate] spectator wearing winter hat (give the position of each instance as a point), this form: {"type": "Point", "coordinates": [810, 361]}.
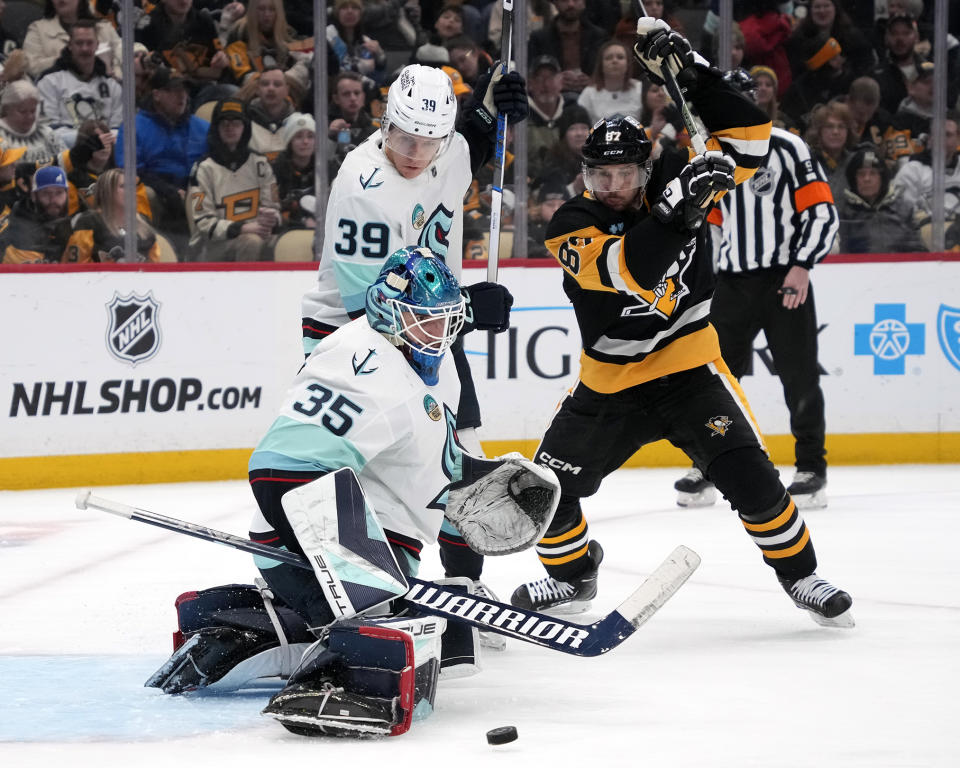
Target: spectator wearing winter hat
{"type": "Point", "coordinates": [900, 62]}
{"type": "Point", "coordinates": [767, 87]}
{"type": "Point", "coordinates": [563, 160]}
{"type": "Point", "coordinates": [169, 141]}
{"type": "Point", "coordinates": [38, 227]}
{"type": "Point", "coordinates": [547, 102]}
{"type": "Point", "coordinates": [909, 131]}
{"type": "Point", "coordinates": [874, 216]}
{"type": "Point", "coordinates": [551, 194]}
{"type": "Point", "coordinates": [232, 203]}
{"type": "Point", "coordinates": [294, 169]}
{"type": "Point", "coordinates": [19, 126]}
{"type": "Point", "coordinates": [827, 74]}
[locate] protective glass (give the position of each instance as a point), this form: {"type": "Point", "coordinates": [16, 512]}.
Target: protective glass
{"type": "Point", "coordinates": [430, 330]}
{"type": "Point", "coordinates": [614, 178]}
{"type": "Point", "coordinates": [417, 149]}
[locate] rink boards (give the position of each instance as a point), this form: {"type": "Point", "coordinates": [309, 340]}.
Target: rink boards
{"type": "Point", "coordinates": [173, 372]}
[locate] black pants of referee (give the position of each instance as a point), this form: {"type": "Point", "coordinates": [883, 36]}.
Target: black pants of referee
{"type": "Point", "coordinates": [745, 304]}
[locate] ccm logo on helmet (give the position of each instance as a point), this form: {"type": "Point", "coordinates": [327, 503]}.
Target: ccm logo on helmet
{"type": "Point", "coordinates": [559, 464]}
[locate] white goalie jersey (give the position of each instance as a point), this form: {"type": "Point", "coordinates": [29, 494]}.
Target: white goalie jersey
{"type": "Point", "coordinates": [357, 403]}
{"type": "Point", "coordinates": [373, 211]}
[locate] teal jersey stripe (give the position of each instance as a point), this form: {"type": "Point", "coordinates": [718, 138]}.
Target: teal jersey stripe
{"type": "Point", "coordinates": [299, 446]}
{"type": "Point", "coordinates": [353, 281]}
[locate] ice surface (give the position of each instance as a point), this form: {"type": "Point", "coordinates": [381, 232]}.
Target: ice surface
{"type": "Point", "coordinates": [729, 673]}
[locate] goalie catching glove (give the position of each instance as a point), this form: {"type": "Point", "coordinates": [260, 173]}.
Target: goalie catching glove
{"type": "Point", "coordinates": [487, 307]}
{"type": "Point", "coordinates": [506, 510]}
{"type": "Point", "coordinates": [685, 200]}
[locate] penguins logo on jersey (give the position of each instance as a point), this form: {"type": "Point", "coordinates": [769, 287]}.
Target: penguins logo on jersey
{"type": "Point", "coordinates": [436, 230]}
{"type": "Point", "coordinates": [665, 297]}
{"type": "Point", "coordinates": [763, 182]}
{"type": "Point", "coordinates": [432, 408]}
{"type": "Point", "coordinates": [718, 425]}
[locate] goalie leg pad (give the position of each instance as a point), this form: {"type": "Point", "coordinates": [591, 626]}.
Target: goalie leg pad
{"type": "Point", "coordinates": [345, 543]}
{"type": "Point", "coordinates": [370, 678]}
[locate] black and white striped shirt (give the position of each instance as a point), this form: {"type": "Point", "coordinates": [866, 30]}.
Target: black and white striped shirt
{"type": "Point", "coordinates": [782, 216]}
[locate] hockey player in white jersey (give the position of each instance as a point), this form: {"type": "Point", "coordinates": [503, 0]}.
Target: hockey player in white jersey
{"type": "Point", "coordinates": [356, 474]}
{"type": "Point", "coordinates": [406, 185]}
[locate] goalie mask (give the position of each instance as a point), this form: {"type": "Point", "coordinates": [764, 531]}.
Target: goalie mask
{"type": "Point", "coordinates": [416, 303]}
{"type": "Point", "coordinates": [616, 156]}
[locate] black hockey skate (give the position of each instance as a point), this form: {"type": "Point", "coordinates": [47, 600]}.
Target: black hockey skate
{"type": "Point", "coordinates": [694, 490]}
{"type": "Point", "coordinates": [828, 605]}
{"type": "Point", "coordinates": [562, 597]}
{"type": "Point", "coordinates": [321, 708]}
{"type": "Point", "coordinates": [809, 490]}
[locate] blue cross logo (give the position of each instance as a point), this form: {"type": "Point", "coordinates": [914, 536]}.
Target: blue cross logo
{"type": "Point", "coordinates": [889, 338]}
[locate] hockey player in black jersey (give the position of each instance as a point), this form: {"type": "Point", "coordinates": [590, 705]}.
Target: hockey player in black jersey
{"type": "Point", "coordinates": [638, 272]}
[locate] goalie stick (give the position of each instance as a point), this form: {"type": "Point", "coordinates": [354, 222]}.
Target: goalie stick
{"type": "Point", "coordinates": [526, 625]}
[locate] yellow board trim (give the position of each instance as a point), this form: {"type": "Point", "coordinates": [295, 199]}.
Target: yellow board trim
{"type": "Point", "coordinates": [20, 473]}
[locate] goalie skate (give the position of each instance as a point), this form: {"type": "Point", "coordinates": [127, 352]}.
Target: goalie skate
{"type": "Point", "coordinates": [827, 605]}
{"type": "Point", "coordinates": [489, 640]}
{"type": "Point", "coordinates": [694, 490]}
{"type": "Point", "coordinates": [562, 598]}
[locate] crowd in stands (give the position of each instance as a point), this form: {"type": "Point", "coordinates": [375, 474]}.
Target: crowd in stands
{"type": "Point", "coordinates": [226, 138]}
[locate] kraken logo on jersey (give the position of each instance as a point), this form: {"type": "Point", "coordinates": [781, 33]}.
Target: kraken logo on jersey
{"type": "Point", "coordinates": [432, 408]}
{"type": "Point", "coordinates": [452, 458]}
{"type": "Point", "coordinates": [436, 230]}
{"type": "Point", "coordinates": [718, 425]}
{"type": "Point", "coordinates": [763, 182]}
{"type": "Point", "coordinates": [665, 297]}
{"type": "Point", "coordinates": [360, 369]}
{"type": "Point", "coordinates": [366, 182]}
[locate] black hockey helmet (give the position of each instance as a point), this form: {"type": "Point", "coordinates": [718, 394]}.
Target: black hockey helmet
{"type": "Point", "coordinates": [614, 140]}
{"type": "Point", "coordinates": [743, 81]}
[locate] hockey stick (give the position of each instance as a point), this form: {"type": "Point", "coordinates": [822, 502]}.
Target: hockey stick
{"type": "Point", "coordinates": [529, 626]}
{"type": "Point", "coordinates": [496, 192]}
{"type": "Point", "coordinates": [687, 114]}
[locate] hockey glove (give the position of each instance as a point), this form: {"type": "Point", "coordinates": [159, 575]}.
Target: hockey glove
{"type": "Point", "coordinates": [487, 307]}
{"type": "Point", "coordinates": [658, 46]}
{"type": "Point", "coordinates": [685, 201]}
{"type": "Point", "coordinates": [497, 93]}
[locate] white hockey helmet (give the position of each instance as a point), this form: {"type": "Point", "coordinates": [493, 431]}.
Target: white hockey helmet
{"type": "Point", "coordinates": [421, 102]}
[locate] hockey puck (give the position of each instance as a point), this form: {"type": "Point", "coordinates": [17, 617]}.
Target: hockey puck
{"type": "Point", "coordinates": [503, 735]}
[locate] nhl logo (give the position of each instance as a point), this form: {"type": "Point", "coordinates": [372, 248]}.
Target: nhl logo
{"type": "Point", "coordinates": [948, 332]}
{"type": "Point", "coordinates": [763, 182]}
{"type": "Point", "coordinates": [133, 334]}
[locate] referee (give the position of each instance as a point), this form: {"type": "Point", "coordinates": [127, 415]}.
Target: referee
{"type": "Point", "coordinates": [769, 234]}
